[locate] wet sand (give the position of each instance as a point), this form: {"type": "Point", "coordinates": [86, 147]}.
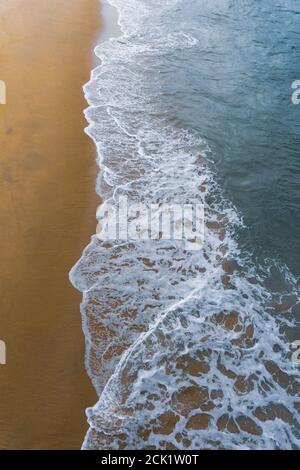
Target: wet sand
{"type": "Point", "coordinates": [47, 214]}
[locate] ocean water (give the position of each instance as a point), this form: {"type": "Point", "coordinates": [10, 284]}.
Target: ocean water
{"type": "Point", "coordinates": [192, 349]}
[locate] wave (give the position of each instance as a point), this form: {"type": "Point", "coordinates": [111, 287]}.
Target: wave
{"type": "Point", "coordinates": [186, 349]}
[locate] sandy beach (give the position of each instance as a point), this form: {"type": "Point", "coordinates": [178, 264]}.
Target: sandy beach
{"type": "Point", "coordinates": [48, 206]}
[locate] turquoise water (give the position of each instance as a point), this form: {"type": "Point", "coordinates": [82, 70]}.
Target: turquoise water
{"type": "Point", "coordinates": [193, 349]}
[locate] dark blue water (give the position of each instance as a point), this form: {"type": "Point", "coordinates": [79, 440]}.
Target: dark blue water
{"type": "Point", "coordinates": [234, 89]}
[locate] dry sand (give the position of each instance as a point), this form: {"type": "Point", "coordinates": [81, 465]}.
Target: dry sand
{"type": "Point", "coordinates": [47, 214]}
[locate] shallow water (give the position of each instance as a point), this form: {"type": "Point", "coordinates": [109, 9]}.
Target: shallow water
{"type": "Point", "coordinates": [192, 349]}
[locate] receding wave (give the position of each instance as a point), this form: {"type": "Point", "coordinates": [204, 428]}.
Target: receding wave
{"type": "Point", "coordinates": [186, 349]}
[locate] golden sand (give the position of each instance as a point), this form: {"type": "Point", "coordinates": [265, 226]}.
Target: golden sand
{"type": "Point", "coordinates": [47, 214]}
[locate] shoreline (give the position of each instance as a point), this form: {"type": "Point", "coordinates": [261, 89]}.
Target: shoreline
{"type": "Point", "coordinates": [48, 206]}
